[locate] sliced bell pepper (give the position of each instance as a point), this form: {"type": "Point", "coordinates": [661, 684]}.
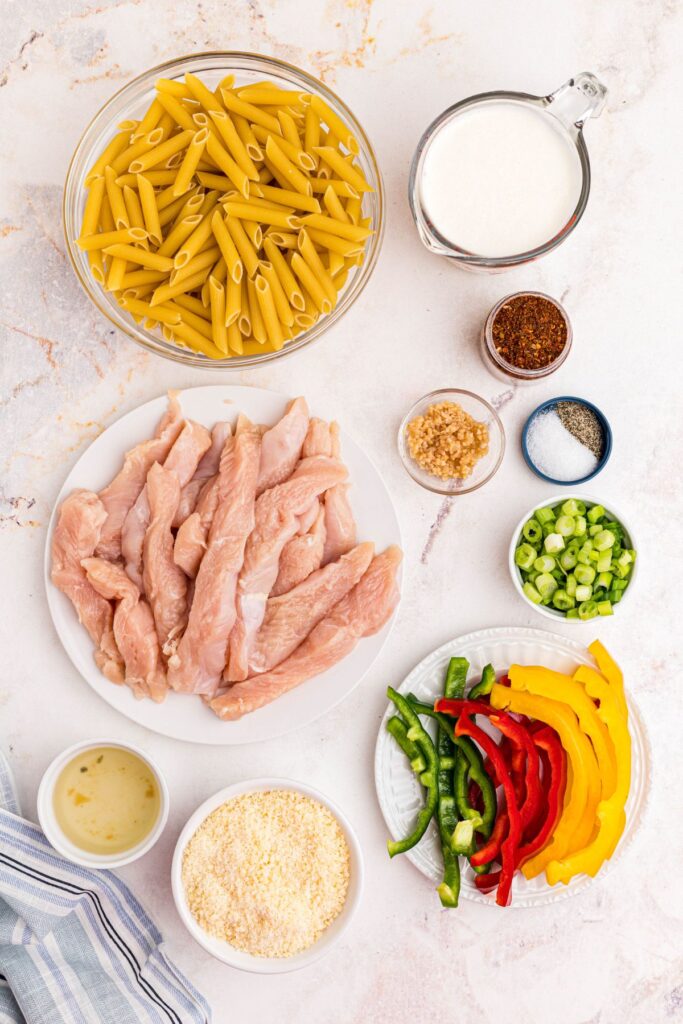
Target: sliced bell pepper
{"type": "Point", "coordinates": [611, 813]}
{"type": "Point", "coordinates": [584, 768]}
{"type": "Point", "coordinates": [466, 727]}
{"type": "Point", "coordinates": [611, 672]}
{"type": "Point", "coordinates": [555, 772]}
{"type": "Point", "coordinates": [417, 735]}
{"type": "Point", "coordinates": [491, 849]}
{"type": "Point", "coordinates": [543, 682]}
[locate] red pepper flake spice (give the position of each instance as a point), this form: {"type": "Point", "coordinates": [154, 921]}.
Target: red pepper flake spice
{"type": "Point", "coordinates": [529, 332]}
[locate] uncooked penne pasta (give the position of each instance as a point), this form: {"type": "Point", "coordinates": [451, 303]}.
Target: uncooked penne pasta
{"type": "Point", "coordinates": [106, 238]}
{"type": "Point", "coordinates": [228, 218]}
{"type": "Point", "coordinates": [308, 251]}
{"type": "Point", "coordinates": [115, 196]}
{"type": "Point", "coordinates": [218, 326]}
{"type": "Point", "coordinates": [233, 300]}
{"type": "Point", "coordinates": [150, 211]}
{"type": "Point", "coordinates": [273, 328]}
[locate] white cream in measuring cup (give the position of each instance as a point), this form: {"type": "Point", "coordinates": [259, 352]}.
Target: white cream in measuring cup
{"type": "Point", "coordinates": [501, 178]}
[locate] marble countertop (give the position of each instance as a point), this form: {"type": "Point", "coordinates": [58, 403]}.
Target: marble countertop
{"type": "Point", "coordinates": [615, 954]}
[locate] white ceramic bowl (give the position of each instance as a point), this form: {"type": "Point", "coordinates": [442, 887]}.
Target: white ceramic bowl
{"type": "Point", "coordinates": [223, 950]}
{"type": "Point", "coordinates": [552, 613]}
{"type": "Point", "coordinates": [50, 826]}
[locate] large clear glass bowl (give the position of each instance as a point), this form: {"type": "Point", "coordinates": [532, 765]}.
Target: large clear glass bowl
{"type": "Point", "coordinates": [131, 102]}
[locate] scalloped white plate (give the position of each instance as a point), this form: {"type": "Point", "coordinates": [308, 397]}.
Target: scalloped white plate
{"type": "Point", "coordinates": [186, 717]}
{"type": "Point", "coordinates": [400, 794]}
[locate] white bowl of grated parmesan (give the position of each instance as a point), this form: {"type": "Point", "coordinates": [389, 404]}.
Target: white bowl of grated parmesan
{"type": "Point", "coordinates": [267, 875]}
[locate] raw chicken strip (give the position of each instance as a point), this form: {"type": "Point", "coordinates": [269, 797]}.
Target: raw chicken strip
{"type": "Point", "coordinates": [290, 618]}
{"type": "Point", "coordinates": [165, 583]}
{"type": "Point", "coordinates": [182, 460]}
{"type": "Point", "coordinates": [340, 526]}
{"type": "Point", "coordinates": [198, 663]}
{"type": "Point", "coordinates": [301, 556]}
{"type": "Point", "coordinates": [281, 446]}
{"type": "Point", "coordinates": [363, 611]}
{"type": "Point", "coordinates": [134, 629]}
{"type": "Point", "coordinates": [206, 469]}
{"type": "Point", "coordinates": [76, 535]}
{"type": "Point", "coordinates": [276, 521]}
{"type": "Point", "coordinates": [191, 538]}
{"type": "Point", "coordinates": [121, 494]}
{"type": "Point", "coordinates": [318, 440]}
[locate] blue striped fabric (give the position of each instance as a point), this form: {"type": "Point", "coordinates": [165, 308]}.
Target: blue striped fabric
{"type": "Point", "coordinates": [76, 947]}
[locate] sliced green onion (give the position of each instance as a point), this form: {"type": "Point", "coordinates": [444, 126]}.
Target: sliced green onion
{"type": "Point", "coordinates": [595, 513]}
{"type": "Point", "coordinates": [584, 573]}
{"type": "Point", "coordinates": [565, 526]}
{"type": "Point", "coordinates": [532, 531]}
{"type": "Point", "coordinates": [573, 507]}
{"type": "Point", "coordinates": [544, 515]}
{"type": "Point", "coordinates": [603, 540]}
{"type": "Point", "coordinates": [594, 530]}
{"type": "Point", "coordinates": [584, 592]}
{"type": "Point", "coordinates": [570, 584]}
{"type": "Point", "coordinates": [546, 585]}
{"type": "Point", "coordinates": [573, 613]}
{"type": "Point", "coordinates": [604, 561]}
{"type": "Point", "coordinates": [568, 559]}
{"type": "Point", "coordinates": [563, 601]}
{"type": "Point", "coordinates": [544, 563]}
{"type": "Point", "coordinates": [531, 592]}
{"type": "Point", "coordinates": [553, 543]}
{"type": "Point", "coordinates": [588, 610]}
{"type": "Point", "coordinates": [580, 526]}
{"type": "Point", "coordinates": [524, 556]}
{"type": "Point", "coordinates": [604, 608]}
{"type": "Point", "coordinates": [604, 580]}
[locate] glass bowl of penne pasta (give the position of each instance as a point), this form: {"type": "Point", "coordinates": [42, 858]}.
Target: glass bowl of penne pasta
{"type": "Point", "coordinates": [224, 209]}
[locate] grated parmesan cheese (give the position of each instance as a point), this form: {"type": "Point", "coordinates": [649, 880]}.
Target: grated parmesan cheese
{"type": "Point", "coordinates": [267, 872]}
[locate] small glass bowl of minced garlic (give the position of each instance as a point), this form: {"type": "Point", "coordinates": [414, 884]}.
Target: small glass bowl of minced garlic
{"type": "Point", "coordinates": [566, 440]}
{"type": "Point", "coordinates": [102, 803]}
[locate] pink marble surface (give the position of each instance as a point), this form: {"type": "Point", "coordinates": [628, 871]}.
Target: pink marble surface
{"type": "Point", "coordinates": [614, 955]}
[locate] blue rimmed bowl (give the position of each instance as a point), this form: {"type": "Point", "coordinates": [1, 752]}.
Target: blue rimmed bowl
{"type": "Point", "coordinates": [606, 432]}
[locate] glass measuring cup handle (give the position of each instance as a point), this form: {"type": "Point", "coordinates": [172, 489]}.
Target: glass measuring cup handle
{"type": "Point", "coordinates": [578, 99]}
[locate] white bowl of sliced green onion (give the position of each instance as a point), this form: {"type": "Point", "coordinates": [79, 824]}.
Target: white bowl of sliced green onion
{"type": "Point", "coordinates": [573, 558]}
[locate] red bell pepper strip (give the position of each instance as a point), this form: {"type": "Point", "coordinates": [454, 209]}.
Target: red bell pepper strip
{"type": "Point", "coordinates": [549, 742]}
{"type": "Point", "coordinates": [488, 882]}
{"type": "Point", "coordinates": [524, 761]}
{"type": "Point", "coordinates": [491, 849]}
{"type": "Point", "coordinates": [466, 727]}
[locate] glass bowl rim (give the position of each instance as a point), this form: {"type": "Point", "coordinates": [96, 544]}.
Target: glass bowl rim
{"type": "Point", "coordinates": [187, 357]}
{"type": "Point", "coordinates": [407, 461]}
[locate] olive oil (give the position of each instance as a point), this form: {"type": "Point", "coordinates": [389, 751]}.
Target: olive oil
{"type": "Point", "coordinates": [106, 800]}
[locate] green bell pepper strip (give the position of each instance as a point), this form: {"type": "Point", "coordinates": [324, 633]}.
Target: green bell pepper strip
{"type": "Point", "coordinates": [485, 684]}
{"type": "Point", "coordinates": [447, 818]}
{"type": "Point", "coordinates": [456, 678]}
{"type": "Point", "coordinates": [429, 778]}
{"type": "Point", "coordinates": [399, 730]}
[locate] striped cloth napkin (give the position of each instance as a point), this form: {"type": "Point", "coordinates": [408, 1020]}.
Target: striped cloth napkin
{"type": "Point", "coordinates": [75, 945]}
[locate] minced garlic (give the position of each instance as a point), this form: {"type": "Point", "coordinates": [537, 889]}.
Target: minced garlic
{"type": "Point", "coordinates": [267, 872]}
{"type": "Point", "coordinates": [446, 441]}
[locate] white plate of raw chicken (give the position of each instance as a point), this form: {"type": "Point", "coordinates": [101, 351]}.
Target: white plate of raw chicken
{"type": "Point", "coordinates": [185, 716]}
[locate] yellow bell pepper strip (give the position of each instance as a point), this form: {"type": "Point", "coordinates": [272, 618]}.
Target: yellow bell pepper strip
{"type": "Point", "coordinates": [580, 758]}
{"type": "Point", "coordinates": [543, 682]}
{"type": "Point", "coordinates": [611, 672]}
{"type": "Point", "coordinates": [546, 683]}
{"type": "Point", "coordinates": [611, 813]}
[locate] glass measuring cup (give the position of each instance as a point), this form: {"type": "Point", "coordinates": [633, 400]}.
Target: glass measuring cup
{"type": "Point", "coordinates": [570, 106]}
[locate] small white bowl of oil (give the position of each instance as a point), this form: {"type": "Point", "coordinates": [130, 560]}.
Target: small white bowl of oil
{"type": "Point", "coordinates": [102, 803]}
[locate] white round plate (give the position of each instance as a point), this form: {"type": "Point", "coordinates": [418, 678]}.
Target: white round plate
{"type": "Point", "coordinates": [180, 716]}
{"type": "Point", "coordinates": [400, 794]}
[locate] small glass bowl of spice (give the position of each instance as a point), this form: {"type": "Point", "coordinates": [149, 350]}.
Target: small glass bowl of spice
{"type": "Point", "coordinates": [451, 441]}
{"type": "Point", "coordinates": [566, 440]}
{"type": "Point", "coordinates": [526, 337]}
